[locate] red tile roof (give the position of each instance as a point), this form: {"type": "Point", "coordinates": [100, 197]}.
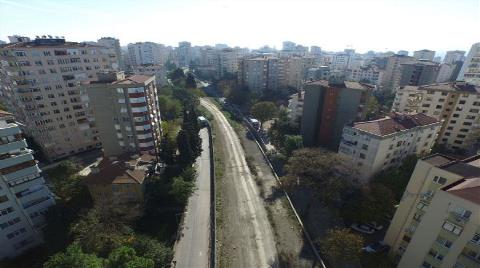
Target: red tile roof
{"type": "Point", "coordinates": [395, 123]}
{"type": "Point", "coordinates": [134, 79]}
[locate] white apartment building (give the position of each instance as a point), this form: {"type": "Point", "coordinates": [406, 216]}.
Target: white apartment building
{"type": "Point", "coordinates": [341, 62]}
{"type": "Point", "coordinates": [114, 45]}
{"type": "Point", "coordinates": [295, 106]}
{"type": "Point", "coordinates": [373, 146]}
{"type": "Point", "coordinates": [39, 81]}
{"type": "Point", "coordinates": [456, 103]}
{"type": "Point", "coordinates": [445, 72]}
{"type": "Point", "coordinates": [24, 197]}
{"type": "Point", "coordinates": [470, 71]}
{"type": "Point", "coordinates": [368, 74]}
{"type": "Point", "coordinates": [424, 54]}
{"type": "Point", "coordinates": [146, 53]}
{"type": "Point", "coordinates": [453, 56]}
{"type": "Point", "coordinates": [228, 61]}
{"type": "Point", "coordinates": [437, 223]}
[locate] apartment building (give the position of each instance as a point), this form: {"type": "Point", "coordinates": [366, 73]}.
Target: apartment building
{"type": "Point", "coordinates": [453, 56]}
{"type": "Point", "coordinates": [470, 71]}
{"type": "Point", "coordinates": [373, 146]}
{"type": "Point", "coordinates": [437, 223]}
{"type": "Point", "coordinates": [120, 181]}
{"type": "Point", "coordinates": [126, 112]}
{"type": "Point", "coordinates": [402, 53]}
{"type": "Point", "coordinates": [146, 53]}
{"type": "Point", "coordinates": [24, 197]}
{"type": "Point", "coordinates": [445, 73]}
{"type": "Point", "coordinates": [114, 45]}
{"type": "Point", "coordinates": [392, 74]}
{"type": "Point", "coordinates": [318, 73]}
{"type": "Point", "coordinates": [456, 103]}
{"type": "Point", "coordinates": [184, 54]}
{"type": "Point", "coordinates": [417, 73]}
{"type": "Point", "coordinates": [295, 106]}
{"type": "Point", "coordinates": [39, 84]}
{"type": "Point", "coordinates": [424, 54]}
{"type": "Point", "coordinates": [367, 74]}
{"type": "Point", "coordinates": [159, 71]}
{"type": "Point", "coordinates": [328, 107]}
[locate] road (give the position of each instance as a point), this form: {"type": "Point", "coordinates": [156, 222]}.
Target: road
{"type": "Point", "coordinates": [250, 239]}
{"type": "Point", "coordinates": [192, 250]}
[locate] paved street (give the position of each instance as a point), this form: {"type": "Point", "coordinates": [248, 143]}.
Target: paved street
{"type": "Point", "coordinates": [247, 231]}
{"type": "Point", "coordinates": [192, 250]}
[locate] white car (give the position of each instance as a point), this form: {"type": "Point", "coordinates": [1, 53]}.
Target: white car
{"type": "Point", "coordinates": [374, 225]}
{"type": "Point", "coordinates": [362, 228]}
{"type": "Point", "coordinates": [377, 247]}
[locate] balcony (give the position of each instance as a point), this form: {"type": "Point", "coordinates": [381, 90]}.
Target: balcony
{"type": "Point", "coordinates": [39, 203]}
{"type": "Point", "coordinates": [7, 147]}
{"type": "Point", "coordinates": [24, 156]}
{"type": "Point", "coordinates": [458, 218]}
{"type": "Point", "coordinates": [22, 172]}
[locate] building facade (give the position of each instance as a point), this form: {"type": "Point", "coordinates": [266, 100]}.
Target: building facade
{"type": "Point", "coordinates": [127, 113]}
{"type": "Point", "coordinates": [114, 45]}
{"type": "Point", "coordinates": [470, 71]}
{"type": "Point", "coordinates": [24, 197]}
{"type": "Point", "coordinates": [328, 107]}
{"type": "Point", "coordinates": [453, 56]}
{"type": "Point", "coordinates": [368, 74]}
{"type": "Point", "coordinates": [39, 81]}
{"type": "Point", "coordinates": [377, 145]}
{"type": "Point", "coordinates": [146, 53]}
{"type": "Point", "coordinates": [159, 71]}
{"type": "Point", "coordinates": [417, 73]}
{"type": "Point", "coordinates": [424, 54]}
{"type": "Point", "coordinates": [456, 103]}
{"type": "Point", "coordinates": [437, 223]}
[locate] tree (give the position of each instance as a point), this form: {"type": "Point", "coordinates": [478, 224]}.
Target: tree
{"type": "Point", "coordinates": [176, 76]}
{"type": "Point", "coordinates": [292, 143]}
{"type": "Point", "coordinates": [126, 257]}
{"type": "Point", "coordinates": [396, 179]}
{"type": "Point", "coordinates": [170, 66]}
{"type": "Point", "coordinates": [239, 95]}
{"type": "Point", "coordinates": [372, 108]}
{"type": "Point", "coordinates": [152, 249]}
{"type": "Point", "coordinates": [190, 81]}
{"type": "Point", "coordinates": [171, 108]}
{"type": "Point", "coordinates": [192, 128]}
{"type": "Point", "coordinates": [281, 127]}
{"type": "Point", "coordinates": [186, 155]}
{"type": "Point", "coordinates": [181, 189]}
{"type": "Point", "coordinates": [342, 245]}
{"type": "Point", "coordinates": [73, 257]}
{"type": "Point", "coordinates": [104, 228]}
{"type": "Point", "coordinates": [264, 111]}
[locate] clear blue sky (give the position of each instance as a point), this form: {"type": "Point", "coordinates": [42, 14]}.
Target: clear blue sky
{"type": "Point", "coordinates": [332, 24]}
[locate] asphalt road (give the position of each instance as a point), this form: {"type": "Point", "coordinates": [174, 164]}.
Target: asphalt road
{"type": "Point", "coordinates": [253, 242]}
{"type": "Point", "coordinates": [192, 250]}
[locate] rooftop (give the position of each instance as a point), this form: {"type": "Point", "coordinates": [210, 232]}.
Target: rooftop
{"type": "Point", "coordinates": [345, 84]}
{"type": "Point", "coordinates": [438, 159]}
{"type": "Point", "coordinates": [124, 170]}
{"type": "Point", "coordinates": [54, 43]}
{"type": "Point", "coordinates": [452, 86]}
{"type": "Point", "coordinates": [467, 188]}
{"type": "Point", "coordinates": [134, 79]}
{"type": "Point", "coordinates": [5, 114]}
{"type": "Point", "coordinates": [395, 123]}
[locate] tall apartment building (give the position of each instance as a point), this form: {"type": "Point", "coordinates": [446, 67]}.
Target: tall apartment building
{"type": "Point", "coordinates": [437, 223]}
{"type": "Point", "coordinates": [126, 112]}
{"type": "Point", "coordinates": [392, 74]}
{"type": "Point", "coordinates": [114, 45]}
{"type": "Point", "coordinates": [373, 146]}
{"type": "Point", "coordinates": [328, 107]}
{"type": "Point", "coordinates": [24, 197]}
{"type": "Point", "coordinates": [39, 83]}
{"type": "Point", "coordinates": [184, 54]}
{"type": "Point", "coordinates": [457, 103]}
{"type": "Point", "coordinates": [402, 53]}
{"type": "Point", "coordinates": [453, 56]}
{"type": "Point", "coordinates": [417, 73]}
{"type": "Point", "coordinates": [146, 53]}
{"type": "Point", "coordinates": [445, 73]}
{"type": "Point", "coordinates": [470, 71]}
{"type": "Point", "coordinates": [424, 54]}
{"type": "Point", "coordinates": [295, 106]}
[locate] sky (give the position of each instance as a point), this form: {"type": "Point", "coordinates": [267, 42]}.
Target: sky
{"type": "Point", "coordinates": [379, 25]}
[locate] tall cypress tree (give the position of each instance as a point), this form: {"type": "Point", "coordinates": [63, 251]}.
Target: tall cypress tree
{"type": "Point", "coordinates": [186, 156]}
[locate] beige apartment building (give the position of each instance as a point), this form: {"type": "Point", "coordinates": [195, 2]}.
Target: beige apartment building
{"type": "Point", "coordinates": [457, 103]}
{"type": "Point", "coordinates": [470, 71]}
{"type": "Point", "coordinates": [373, 146]}
{"type": "Point", "coordinates": [126, 111]}
{"type": "Point", "coordinates": [39, 84]}
{"type": "Point", "coordinates": [437, 223]}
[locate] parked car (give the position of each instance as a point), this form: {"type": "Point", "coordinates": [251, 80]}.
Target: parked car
{"type": "Point", "coordinates": [377, 247]}
{"type": "Point", "coordinates": [374, 225]}
{"type": "Point", "coordinates": [362, 228]}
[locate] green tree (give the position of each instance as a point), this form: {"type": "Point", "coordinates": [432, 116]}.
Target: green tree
{"type": "Point", "coordinates": [171, 108]}
{"type": "Point", "coordinates": [186, 155]}
{"type": "Point", "coordinates": [239, 95]}
{"type": "Point", "coordinates": [281, 127]}
{"type": "Point", "coordinates": [342, 245]}
{"type": "Point", "coordinates": [264, 111]}
{"type": "Point", "coordinates": [292, 143]}
{"type": "Point", "coordinates": [176, 76]}
{"type": "Point", "coordinates": [104, 228]}
{"type": "Point", "coordinates": [152, 249]}
{"type": "Point", "coordinates": [190, 81]}
{"type": "Point", "coordinates": [372, 108]}
{"type": "Point", "coordinates": [170, 65]}
{"type": "Point", "coordinates": [126, 257]}
{"type": "Point", "coordinates": [396, 179]}
{"type": "Point", "coordinates": [73, 257]}
{"type": "Point", "coordinates": [181, 189]}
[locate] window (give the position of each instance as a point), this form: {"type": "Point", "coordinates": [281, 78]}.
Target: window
{"type": "Point", "coordinates": [3, 199]}
{"type": "Point", "coordinates": [406, 238]}
{"type": "Point", "coordinates": [439, 180]}
{"type": "Point", "coordinates": [476, 239]}
{"type": "Point", "coordinates": [427, 265]}
{"type": "Point", "coordinates": [435, 254]}
{"type": "Point", "coordinates": [474, 110]}
{"type": "Point", "coordinates": [452, 228]}
{"type": "Point", "coordinates": [422, 206]}
{"type": "Point", "coordinates": [364, 147]}
{"type": "Point", "coordinates": [444, 242]}
{"type": "Point", "coordinates": [455, 115]}
{"type": "Point", "coordinates": [362, 156]}
{"type": "Point", "coordinates": [467, 123]}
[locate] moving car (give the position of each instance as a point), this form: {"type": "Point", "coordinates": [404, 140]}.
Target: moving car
{"type": "Point", "coordinates": [362, 228]}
